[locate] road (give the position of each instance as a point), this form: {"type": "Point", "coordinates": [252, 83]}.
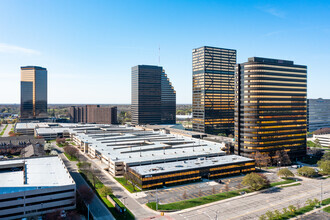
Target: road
{"type": "Point", "coordinates": [97, 208]}
{"type": "Point", "coordinates": [6, 133]}
{"type": "Point", "coordinates": [254, 205]}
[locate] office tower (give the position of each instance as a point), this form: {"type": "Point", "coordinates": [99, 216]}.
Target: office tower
{"type": "Point", "coordinates": [93, 114]}
{"type": "Point", "coordinates": [33, 92]}
{"type": "Point", "coordinates": [318, 114]}
{"type": "Point", "coordinates": [213, 90]}
{"type": "Point", "coordinates": [153, 96]}
{"type": "Point", "coordinates": [168, 101]}
{"type": "Point", "coordinates": [270, 107]}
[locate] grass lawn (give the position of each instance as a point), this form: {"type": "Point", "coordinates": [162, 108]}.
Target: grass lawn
{"type": "Point", "coordinates": [193, 202]}
{"type": "Point", "coordinates": [3, 131]}
{"type": "Point", "coordinates": [327, 209]}
{"type": "Point", "coordinates": [326, 201]}
{"type": "Point", "coordinates": [128, 186]}
{"type": "Point", "coordinates": [98, 185]}
{"type": "Point", "coordinates": [73, 158]}
{"type": "Point", "coordinates": [282, 182]}
{"type": "Point", "coordinates": [296, 184]}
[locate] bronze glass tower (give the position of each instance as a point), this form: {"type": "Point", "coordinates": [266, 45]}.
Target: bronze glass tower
{"type": "Point", "coordinates": [270, 107]}
{"type": "Point", "coordinates": [33, 92]}
{"type": "Point", "coordinates": [213, 90]}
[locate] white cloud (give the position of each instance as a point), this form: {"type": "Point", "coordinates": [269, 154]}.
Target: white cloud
{"type": "Point", "coordinates": [272, 11]}
{"type": "Point", "coordinates": [7, 48]}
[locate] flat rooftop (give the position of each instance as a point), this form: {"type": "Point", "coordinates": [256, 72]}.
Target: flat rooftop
{"type": "Point", "coordinates": [189, 164]}
{"type": "Point", "coordinates": [40, 172]}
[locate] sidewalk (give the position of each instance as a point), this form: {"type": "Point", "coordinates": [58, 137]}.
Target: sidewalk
{"type": "Point", "coordinates": [98, 210]}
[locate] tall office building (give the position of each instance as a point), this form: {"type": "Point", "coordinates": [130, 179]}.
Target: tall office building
{"type": "Point", "coordinates": [318, 114]}
{"type": "Point", "coordinates": [33, 92]}
{"type": "Point", "coordinates": [153, 96]}
{"type": "Point", "coordinates": [213, 90]}
{"type": "Point", "coordinates": [270, 107]}
{"type": "Point", "coordinates": [93, 114]}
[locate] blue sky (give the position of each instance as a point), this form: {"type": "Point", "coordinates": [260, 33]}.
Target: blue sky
{"type": "Point", "coordinates": [89, 47]}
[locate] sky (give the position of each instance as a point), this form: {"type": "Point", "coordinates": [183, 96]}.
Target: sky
{"type": "Point", "coordinates": [89, 47]}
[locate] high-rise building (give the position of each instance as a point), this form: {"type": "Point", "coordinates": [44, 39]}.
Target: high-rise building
{"type": "Point", "coordinates": [153, 96]}
{"type": "Point", "coordinates": [270, 107]}
{"type": "Point", "coordinates": [213, 90]}
{"type": "Point", "coordinates": [33, 92]}
{"type": "Point", "coordinates": [93, 114]}
{"type": "Point", "coordinates": [318, 114]}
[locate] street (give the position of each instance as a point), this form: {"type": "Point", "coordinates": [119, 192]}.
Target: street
{"type": "Point", "coordinates": [254, 205]}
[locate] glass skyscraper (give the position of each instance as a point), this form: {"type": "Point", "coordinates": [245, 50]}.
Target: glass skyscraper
{"type": "Point", "coordinates": [33, 92]}
{"type": "Point", "coordinates": [213, 90]}
{"type": "Point", "coordinates": [153, 96]}
{"type": "Point", "coordinates": [318, 114]}
{"type": "Point", "coordinates": [270, 107]}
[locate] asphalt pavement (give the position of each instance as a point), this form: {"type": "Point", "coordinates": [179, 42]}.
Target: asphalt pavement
{"type": "Point", "coordinates": [97, 208]}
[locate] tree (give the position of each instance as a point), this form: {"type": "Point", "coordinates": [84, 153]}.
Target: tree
{"type": "Point", "coordinates": [200, 192]}
{"type": "Point", "coordinates": [262, 217]}
{"type": "Point", "coordinates": [281, 158]}
{"type": "Point", "coordinates": [285, 172]}
{"type": "Point", "coordinates": [227, 189]}
{"type": "Point", "coordinates": [277, 214]}
{"type": "Point", "coordinates": [270, 215]}
{"type": "Point", "coordinates": [71, 151]}
{"type": "Point", "coordinates": [255, 181]}
{"type": "Point", "coordinates": [104, 191]}
{"type": "Point", "coordinates": [292, 209]}
{"type": "Point", "coordinates": [324, 166]}
{"type": "Point", "coordinates": [306, 171]}
{"type": "Point", "coordinates": [326, 156]}
{"type": "Point", "coordinates": [184, 195]}
{"type": "Point", "coordinates": [86, 193]}
{"type": "Point", "coordinates": [261, 160]}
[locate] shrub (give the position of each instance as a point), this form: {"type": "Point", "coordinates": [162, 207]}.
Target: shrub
{"type": "Point", "coordinates": [307, 171]}
{"type": "Point", "coordinates": [324, 166]}
{"type": "Point", "coordinates": [255, 181]}
{"type": "Point", "coordinates": [285, 172]}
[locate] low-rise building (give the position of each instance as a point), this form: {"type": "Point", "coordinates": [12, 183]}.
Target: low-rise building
{"type": "Point", "coordinates": [35, 186]}
{"type": "Point", "coordinates": [324, 139]}
{"type": "Point", "coordinates": [155, 175]}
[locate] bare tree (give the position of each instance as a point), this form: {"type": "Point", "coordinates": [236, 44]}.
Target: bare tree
{"type": "Point", "coordinates": [226, 189]}
{"type": "Point", "coordinates": [71, 151]}
{"type": "Point", "coordinates": [184, 195]}
{"type": "Point", "coordinates": [213, 190]}
{"type": "Point", "coordinates": [200, 192]}
{"type": "Point", "coordinates": [87, 195]}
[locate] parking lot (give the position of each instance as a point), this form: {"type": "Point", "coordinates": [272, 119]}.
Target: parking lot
{"type": "Point", "coordinates": [199, 189]}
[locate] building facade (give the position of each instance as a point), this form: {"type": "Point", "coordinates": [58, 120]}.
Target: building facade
{"type": "Point", "coordinates": [93, 114]}
{"type": "Point", "coordinates": [270, 107]}
{"type": "Point", "coordinates": [318, 114]}
{"type": "Point", "coordinates": [35, 186]}
{"type": "Point", "coordinates": [33, 92]}
{"type": "Point", "coordinates": [213, 90]}
{"type": "Point", "coordinates": [153, 96]}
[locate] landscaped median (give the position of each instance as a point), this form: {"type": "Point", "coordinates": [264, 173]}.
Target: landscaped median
{"type": "Point", "coordinates": [127, 184]}
{"type": "Point", "coordinates": [3, 131]}
{"type": "Point", "coordinates": [193, 202]}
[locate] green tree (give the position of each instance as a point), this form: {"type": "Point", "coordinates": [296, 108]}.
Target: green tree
{"type": "Point", "coordinates": [277, 214]}
{"type": "Point", "coordinates": [104, 191]}
{"type": "Point", "coordinates": [324, 166]}
{"type": "Point", "coordinates": [292, 209]}
{"type": "Point", "coordinates": [255, 181]}
{"type": "Point", "coordinates": [262, 217]}
{"type": "Point", "coordinates": [270, 215]}
{"type": "Point", "coordinates": [306, 171]}
{"type": "Point", "coordinates": [326, 156]}
{"type": "Point", "coordinates": [285, 172]}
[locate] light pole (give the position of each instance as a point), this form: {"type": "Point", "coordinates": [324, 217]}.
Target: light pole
{"type": "Point", "coordinates": [321, 193]}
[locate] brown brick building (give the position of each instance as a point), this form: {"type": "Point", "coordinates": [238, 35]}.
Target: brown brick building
{"type": "Point", "coordinates": [93, 114]}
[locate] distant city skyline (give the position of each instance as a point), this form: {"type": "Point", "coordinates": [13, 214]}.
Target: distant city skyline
{"type": "Point", "coordinates": [89, 48]}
